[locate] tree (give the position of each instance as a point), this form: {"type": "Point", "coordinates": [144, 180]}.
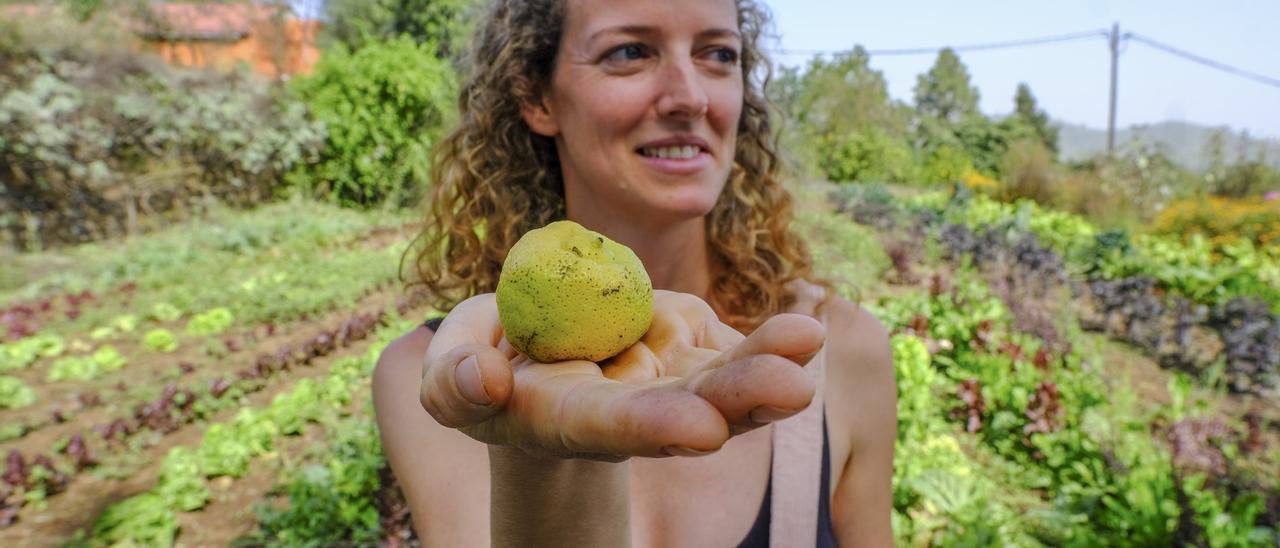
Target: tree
{"type": "Point", "coordinates": [1026, 112]}
{"type": "Point", "coordinates": [944, 91]}
{"type": "Point", "coordinates": [842, 113]}
{"type": "Point", "coordinates": [845, 95]}
{"type": "Point", "coordinates": [441, 23]}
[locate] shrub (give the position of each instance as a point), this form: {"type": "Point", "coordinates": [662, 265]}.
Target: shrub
{"type": "Point", "coordinates": [94, 139]}
{"type": "Point", "coordinates": [946, 164]}
{"type": "Point", "coordinates": [1028, 173]}
{"type": "Point", "coordinates": [1222, 220]}
{"type": "Point", "coordinates": [867, 156]}
{"type": "Point", "coordinates": [383, 106]}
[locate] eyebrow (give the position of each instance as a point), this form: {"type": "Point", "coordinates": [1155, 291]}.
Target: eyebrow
{"type": "Point", "coordinates": [644, 30]}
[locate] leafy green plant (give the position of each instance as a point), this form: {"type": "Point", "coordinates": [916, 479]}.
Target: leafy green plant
{"type": "Point", "coordinates": [160, 340]}
{"type": "Point", "coordinates": [14, 393]}
{"type": "Point", "coordinates": [104, 359]}
{"type": "Point", "coordinates": [181, 482]}
{"type": "Point", "coordinates": [148, 519]}
{"type": "Point", "coordinates": [125, 323]}
{"type": "Point", "coordinates": [165, 312]}
{"type": "Point", "coordinates": [24, 352]}
{"type": "Point", "coordinates": [331, 502]}
{"type": "Point", "coordinates": [210, 323]}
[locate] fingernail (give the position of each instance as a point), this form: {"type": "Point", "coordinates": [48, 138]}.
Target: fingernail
{"type": "Point", "coordinates": [469, 382]}
{"type": "Point", "coordinates": [680, 451]}
{"type": "Point", "coordinates": [766, 414]}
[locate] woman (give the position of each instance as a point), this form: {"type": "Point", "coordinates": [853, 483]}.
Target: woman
{"type": "Point", "coordinates": [644, 121]}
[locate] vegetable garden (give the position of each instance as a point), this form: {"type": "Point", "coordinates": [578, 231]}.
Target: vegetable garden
{"type": "Point", "coordinates": [200, 270]}
{"type": "Point", "coordinates": [155, 400]}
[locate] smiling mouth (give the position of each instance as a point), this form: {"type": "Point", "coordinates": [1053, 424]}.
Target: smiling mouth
{"type": "Point", "coordinates": [686, 152]}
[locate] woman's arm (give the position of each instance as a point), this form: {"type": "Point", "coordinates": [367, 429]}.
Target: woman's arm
{"type": "Point", "coordinates": [450, 480]}
{"type": "Point", "coordinates": [863, 500]}
{"type": "Point", "coordinates": [442, 472]}
{"type": "Point", "coordinates": [550, 501]}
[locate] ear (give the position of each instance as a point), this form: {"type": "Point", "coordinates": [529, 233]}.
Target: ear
{"type": "Point", "coordinates": [539, 117]}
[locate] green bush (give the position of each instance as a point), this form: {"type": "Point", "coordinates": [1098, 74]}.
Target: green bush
{"type": "Point", "coordinates": [92, 138]}
{"type": "Point", "coordinates": [946, 164]}
{"type": "Point", "coordinates": [867, 156]}
{"type": "Point", "coordinates": [384, 106]}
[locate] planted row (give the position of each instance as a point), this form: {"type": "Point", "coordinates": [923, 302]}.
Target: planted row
{"type": "Point", "coordinates": [228, 448]}
{"type": "Point", "coordinates": [175, 406]}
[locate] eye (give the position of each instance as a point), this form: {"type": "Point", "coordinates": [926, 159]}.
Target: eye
{"type": "Point", "coordinates": [627, 52]}
{"type": "Point", "coordinates": [725, 55]}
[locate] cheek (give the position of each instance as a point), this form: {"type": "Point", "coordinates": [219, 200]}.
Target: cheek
{"type": "Point", "coordinates": [606, 110]}
{"type": "Point", "coordinates": [726, 109]}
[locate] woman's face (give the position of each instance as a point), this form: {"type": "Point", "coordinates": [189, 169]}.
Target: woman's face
{"type": "Point", "coordinates": [644, 106]}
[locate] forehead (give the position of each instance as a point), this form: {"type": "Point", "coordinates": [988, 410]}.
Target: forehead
{"type": "Point", "coordinates": [587, 18]}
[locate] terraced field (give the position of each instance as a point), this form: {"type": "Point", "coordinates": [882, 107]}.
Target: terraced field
{"type": "Point", "coordinates": [208, 384]}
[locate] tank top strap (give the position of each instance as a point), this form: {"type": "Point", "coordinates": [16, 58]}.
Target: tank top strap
{"type": "Point", "coordinates": [797, 455]}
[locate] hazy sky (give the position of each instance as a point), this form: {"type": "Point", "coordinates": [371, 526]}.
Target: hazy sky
{"type": "Point", "coordinates": [1068, 79]}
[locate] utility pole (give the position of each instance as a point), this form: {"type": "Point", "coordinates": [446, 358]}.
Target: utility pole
{"type": "Point", "coordinates": [1111, 116]}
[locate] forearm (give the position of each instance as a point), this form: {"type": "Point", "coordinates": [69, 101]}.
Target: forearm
{"type": "Point", "coordinates": [547, 501]}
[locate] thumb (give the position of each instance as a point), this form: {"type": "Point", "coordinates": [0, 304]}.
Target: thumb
{"type": "Point", "coordinates": [466, 385]}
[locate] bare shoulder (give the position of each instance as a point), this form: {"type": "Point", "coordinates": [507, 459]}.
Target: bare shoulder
{"type": "Point", "coordinates": [857, 340]}
{"type": "Point", "coordinates": [402, 358]}
{"type": "Point", "coordinates": [861, 390]}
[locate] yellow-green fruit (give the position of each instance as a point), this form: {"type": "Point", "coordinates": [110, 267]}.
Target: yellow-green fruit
{"type": "Point", "coordinates": [567, 293]}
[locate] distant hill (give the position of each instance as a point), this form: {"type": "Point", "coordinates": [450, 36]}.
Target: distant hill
{"type": "Point", "coordinates": [1185, 142]}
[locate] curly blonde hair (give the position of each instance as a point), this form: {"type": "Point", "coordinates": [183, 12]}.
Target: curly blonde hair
{"type": "Point", "coordinates": [496, 179]}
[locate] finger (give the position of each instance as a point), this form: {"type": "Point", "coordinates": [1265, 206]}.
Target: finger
{"type": "Point", "coordinates": [690, 319]}
{"type": "Point", "coordinates": [685, 333]}
{"type": "Point", "coordinates": [474, 321]}
{"type": "Point", "coordinates": [466, 385]}
{"type": "Point", "coordinates": [755, 391]}
{"type": "Point", "coordinates": [795, 337]}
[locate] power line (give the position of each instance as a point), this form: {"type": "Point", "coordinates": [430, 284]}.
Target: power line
{"type": "Point", "coordinates": [1203, 60]}
{"type": "Point", "coordinates": [1083, 35]}
{"type": "Point", "coordinates": [967, 47]}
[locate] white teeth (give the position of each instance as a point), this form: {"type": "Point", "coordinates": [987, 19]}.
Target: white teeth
{"type": "Point", "coordinates": [676, 153]}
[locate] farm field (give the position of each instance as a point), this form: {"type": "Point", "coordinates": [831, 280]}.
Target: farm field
{"type": "Point", "coordinates": [208, 384]}
{"type": "Point", "coordinates": [201, 258]}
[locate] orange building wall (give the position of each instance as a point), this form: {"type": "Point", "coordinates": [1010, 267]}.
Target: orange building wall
{"type": "Point", "coordinates": [272, 49]}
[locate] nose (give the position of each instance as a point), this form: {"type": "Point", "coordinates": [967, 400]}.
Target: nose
{"type": "Point", "coordinates": [682, 95]}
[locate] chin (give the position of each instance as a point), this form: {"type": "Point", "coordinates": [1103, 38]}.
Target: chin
{"type": "Point", "coordinates": [689, 207]}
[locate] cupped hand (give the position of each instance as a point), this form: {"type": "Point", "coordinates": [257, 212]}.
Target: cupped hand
{"type": "Point", "coordinates": [684, 389]}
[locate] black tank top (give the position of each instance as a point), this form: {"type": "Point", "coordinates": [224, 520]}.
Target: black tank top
{"type": "Point", "coordinates": [758, 536]}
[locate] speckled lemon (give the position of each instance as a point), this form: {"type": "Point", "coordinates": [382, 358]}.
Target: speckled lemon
{"type": "Point", "coordinates": [568, 293]}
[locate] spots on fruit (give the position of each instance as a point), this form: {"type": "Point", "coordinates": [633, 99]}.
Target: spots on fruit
{"type": "Point", "coordinates": [576, 251]}
{"type": "Point", "coordinates": [611, 291]}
